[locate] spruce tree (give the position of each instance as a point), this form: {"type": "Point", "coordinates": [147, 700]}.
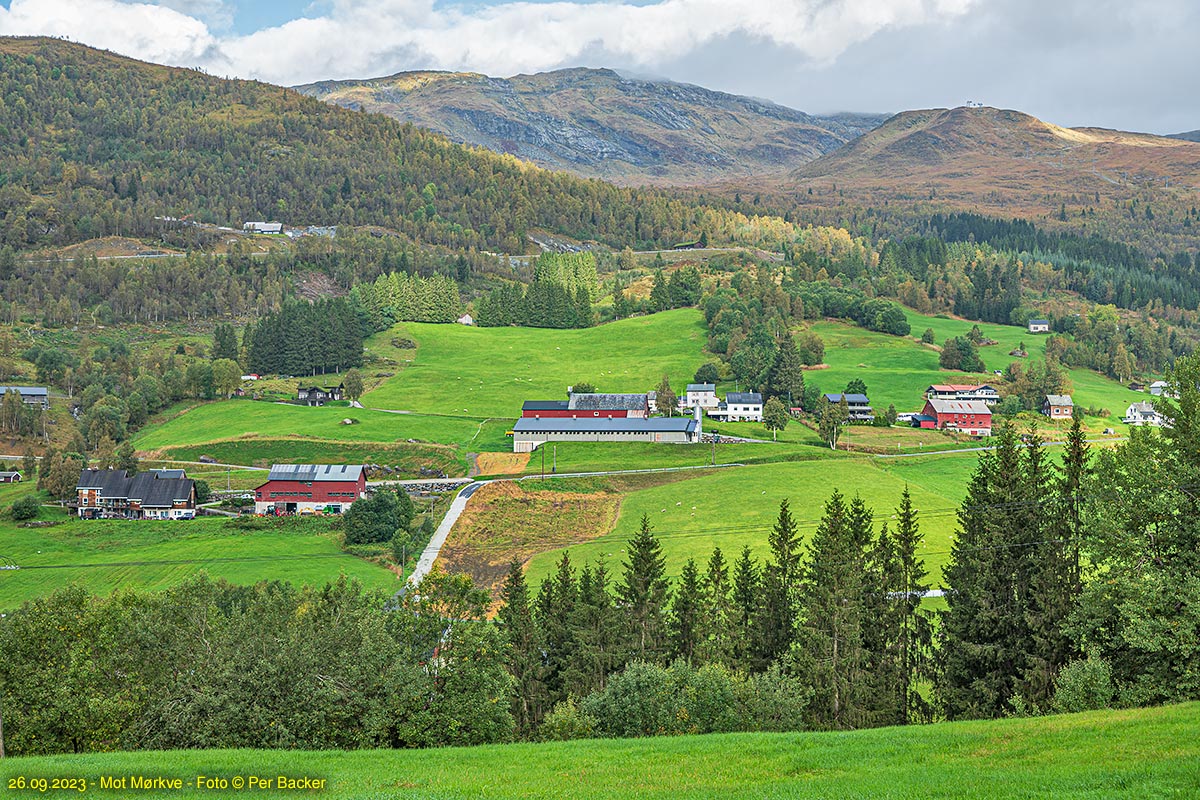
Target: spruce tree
{"type": "Point", "coordinates": [832, 600]}
{"type": "Point", "coordinates": [747, 605]}
{"type": "Point", "coordinates": [555, 607]}
{"type": "Point", "coordinates": [525, 647]}
{"type": "Point", "coordinates": [786, 379]}
{"type": "Point", "coordinates": [984, 636]}
{"type": "Point", "coordinates": [718, 624]}
{"type": "Point", "coordinates": [780, 589]}
{"type": "Point", "coordinates": [687, 607]}
{"type": "Point", "coordinates": [599, 634]}
{"type": "Point", "coordinates": [660, 294]}
{"type": "Point", "coordinates": [643, 593]}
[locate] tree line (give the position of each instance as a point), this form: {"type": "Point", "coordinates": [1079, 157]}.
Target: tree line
{"type": "Point", "coordinates": [307, 339]}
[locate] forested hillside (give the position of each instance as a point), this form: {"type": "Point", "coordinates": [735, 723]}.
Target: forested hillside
{"type": "Point", "coordinates": [93, 144]}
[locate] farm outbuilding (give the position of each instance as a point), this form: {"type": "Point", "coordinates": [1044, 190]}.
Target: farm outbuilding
{"type": "Point", "coordinates": [299, 488]}
{"type": "Point", "coordinates": [530, 433]}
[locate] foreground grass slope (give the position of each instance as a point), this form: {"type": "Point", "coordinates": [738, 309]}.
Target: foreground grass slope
{"type": "Point", "coordinates": [1145, 753]}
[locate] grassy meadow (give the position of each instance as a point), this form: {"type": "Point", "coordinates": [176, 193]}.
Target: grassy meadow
{"type": "Point", "coordinates": [735, 507]}
{"type": "Point", "coordinates": [106, 555]}
{"type": "Point", "coordinates": [897, 370]}
{"type": "Point", "coordinates": [1145, 753]}
{"type": "Point", "coordinates": [489, 372]}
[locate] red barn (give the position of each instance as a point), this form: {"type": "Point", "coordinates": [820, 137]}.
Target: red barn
{"type": "Point", "coordinates": [297, 488]}
{"type": "Point", "coordinates": [972, 417]}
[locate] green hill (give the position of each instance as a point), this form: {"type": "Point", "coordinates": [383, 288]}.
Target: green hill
{"type": "Point", "coordinates": [94, 144]}
{"type": "Point", "coordinates": [1151, 752]}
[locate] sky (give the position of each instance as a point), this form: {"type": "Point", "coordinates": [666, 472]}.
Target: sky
{"type": "Point", "coordinates": [1103, 63]}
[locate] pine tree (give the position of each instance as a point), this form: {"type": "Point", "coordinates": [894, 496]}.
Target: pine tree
{"type": "Point", "coordinates": [643, 593]}
{"type": "Point", "coordinates": [687, 606]}
{"type": "Point", "coordinates": [780, 589]}
{"type": "Point", "coordinates": [516, 624]}
{"type": "Point", "coordinates": [666, 399]}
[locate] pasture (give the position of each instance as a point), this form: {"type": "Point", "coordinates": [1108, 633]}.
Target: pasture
{"type": "Point", "coordinates": [1148, 752]}
{"type": "Point", "coordinates": [107, 555]}
{"type": "Point", "coordinates": [489, 372]}
{"type": "Point", "coordinates": [737, 506]}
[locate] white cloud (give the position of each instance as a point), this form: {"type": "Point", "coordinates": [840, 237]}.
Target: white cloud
{"type": "Point", "coordinates": [142, 30]}
{"type": "Point", "coordinates": [360, 38]}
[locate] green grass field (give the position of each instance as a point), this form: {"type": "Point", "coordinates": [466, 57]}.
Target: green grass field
{"type": "Point", "coordinates": [106, 555]}
{"type": "Point", "coordinates": [737, 506]}
{"type": "Point", "coordinates": [897, 370]}
{"type": "Point", "coordinates": [1143, 753]}
{"type": "Point", "coordinates": [489, 372]}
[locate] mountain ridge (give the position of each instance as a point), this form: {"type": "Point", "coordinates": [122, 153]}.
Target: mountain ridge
{"type": "Point", "coordinates": [599, 123]}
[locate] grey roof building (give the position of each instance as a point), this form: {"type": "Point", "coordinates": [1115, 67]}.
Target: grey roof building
{"type": "Point", "coordinates": [529, 433]}
{"type": "Point", "coordinates": [36, 396]}
{"type": "Point", "coordinates": [153, 494]}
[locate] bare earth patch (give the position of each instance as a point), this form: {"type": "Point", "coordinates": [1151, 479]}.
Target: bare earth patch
{"type": "Point", "coordinates": [504, 521]}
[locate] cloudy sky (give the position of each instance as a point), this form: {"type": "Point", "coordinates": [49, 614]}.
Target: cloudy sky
{"type": "Point", "coordinates": [1108, 63]}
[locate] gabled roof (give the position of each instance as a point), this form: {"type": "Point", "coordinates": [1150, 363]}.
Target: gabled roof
{"type": "Point", "coordinates": [544, 405]}
{"type": "Point", "coordinates": [851, 399]}
{"type": "Point", "coordinates": [9, 474]}
{"type": "Point", "coordinates": [701, 387]}
{"type": "Point", "coordinates": [959, 406]}
{"type": "Point", "coordinates": [746, 398]}
{"type": "Point", "coordinates": [169, 473]}
{"type": "Point", "coordinates": [607, 402]}
{"type": "Point", "coordinates": [151, 488]}
{"type": "Point", "coordinates": [36, 391]}
{"type": "Point", "coordinates": [1039, 322]}
{"type": "Point", "coordinates": [1140, 407]}
{"type": "Point", "coordinates": [605, 425]}
{"type": "Point", "coordinates": [1059, 400]}
{"type": "Point", "coordinates": [315, 472]}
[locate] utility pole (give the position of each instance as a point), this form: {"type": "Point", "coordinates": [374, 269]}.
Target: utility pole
{"type": "Point", "coordinates": [554, 463]}
{"type": "Point", "coordinates": [543, 449]}
{"type": "Point", "coordinates": [714, 446]}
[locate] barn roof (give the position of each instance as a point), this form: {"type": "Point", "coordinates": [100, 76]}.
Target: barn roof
{"type": "Point", "coordinates": [315, 472]}
{"type": "Point", "coordinates": [544, 405]}
{"type": "Point", "coordinates": [605, 425]}
{"type": "Point", "coordinates": [960, 406]}
{"type": "Point", "coordinates": [607, 402]}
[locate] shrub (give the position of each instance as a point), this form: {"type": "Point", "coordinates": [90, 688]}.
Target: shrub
{"type": "Point", "coordinates": [1084, 685]}
{"type": "Point", "coordinates": [25, 508]}
{"type": "Point", "coordinates": [567, 721]}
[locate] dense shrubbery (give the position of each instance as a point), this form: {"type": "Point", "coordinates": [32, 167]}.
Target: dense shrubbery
{"type": "Point", "coordinates": [211, 665]}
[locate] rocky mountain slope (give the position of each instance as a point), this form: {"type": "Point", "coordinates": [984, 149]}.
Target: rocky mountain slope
{"type": "Point", "coordinates": [597, 123]}
{"type": "Point", "coordinates": [968, 150]}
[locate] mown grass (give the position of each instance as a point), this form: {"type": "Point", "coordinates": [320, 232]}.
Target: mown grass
{"type": "Point", "coordinates": [489, 372]}
{"type": "Point", "coordinates": [409, 459]}
{"type": "Point", "coordinates": [1144, 753]}
{"type": "Point", "coordinates": [737, 506]}
{"type": "Point", "coordinates": [104, 555]}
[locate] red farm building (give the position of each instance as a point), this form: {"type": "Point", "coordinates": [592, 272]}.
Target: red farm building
{"type": "Point", "coordinates": [308, 488]}
{"type": "Point", "coordinates": [972, 417]}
